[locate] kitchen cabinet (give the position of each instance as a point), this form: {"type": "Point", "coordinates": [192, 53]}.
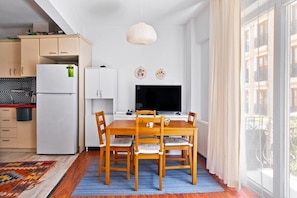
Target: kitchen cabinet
{"type": "Point", "coordinates": [10, 64]}
{"type": "Point", "coordinates": [100, 83]}
{"type": "Point", "coordinates": [8, 135]}
{"type": "Point", "coordinates": [29, 56]}
{"type": "Point", "coordinates": [65, 46]}
{"type": "Point", "coordinates": [26, 132]}
{"type": "Point", "coordinates": [17, 134]}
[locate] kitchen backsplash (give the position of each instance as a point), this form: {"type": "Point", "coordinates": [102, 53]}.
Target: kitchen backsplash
{"type": "Point", "coordinates": [17, 90]}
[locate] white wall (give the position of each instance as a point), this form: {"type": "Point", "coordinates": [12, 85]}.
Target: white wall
{"type": "Point", "coordinates": [202, 40]}
{"type": "Point", "coordinates": [13, 31]}
{"type": "Point", "coordinates": [110, 48]}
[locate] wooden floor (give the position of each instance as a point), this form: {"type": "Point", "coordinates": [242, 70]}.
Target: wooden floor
{"type": "Point", "coordinates": [84, 160]}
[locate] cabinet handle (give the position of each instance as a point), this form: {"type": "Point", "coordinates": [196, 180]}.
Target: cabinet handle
{"type": "Point", "coordinates": [100, 93]}
{"type": "Point", "coordinates": [5, 130]}
{"type": "Point", "coordinates": [97, 93]}
{"type": "Point", "coordinates": [5, 140]}
{"type": "Point", "coordinates": [10, 71]}
{"type": "Point", "coordinates": [22, 70]}
{"type": "Point", "coordinates": [6, 120]}
{"type": "Point", "coordinates": [5, 110]}
{"type": "Point", "coordinates": [14, 71]}
{"type": "Point", "coordinates": [63, 52]}
{"type": "Point", "coordinates": [52, 53]}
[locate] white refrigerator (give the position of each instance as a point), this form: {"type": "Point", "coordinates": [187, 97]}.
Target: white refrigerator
{"type": "Point", "coordinates": [57, 108]}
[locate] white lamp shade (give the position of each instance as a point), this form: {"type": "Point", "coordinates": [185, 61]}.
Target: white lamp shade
{"type": "Point", "coordinates": [141, 34]}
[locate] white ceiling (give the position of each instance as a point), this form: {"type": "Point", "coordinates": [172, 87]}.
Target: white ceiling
{"type": "Point", "coordinates": [18, 13]}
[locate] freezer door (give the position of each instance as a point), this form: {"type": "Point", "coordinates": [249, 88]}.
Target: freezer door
{"type": "Point", "coordinates": [57, 124]}
{"type": "Point", "coordinates": [54, 78]}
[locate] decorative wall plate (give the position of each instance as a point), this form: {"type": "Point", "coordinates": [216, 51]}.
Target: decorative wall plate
{"type": "Point", "coordinates": [160, 74]}
{"type": "Point", "coordinates": [140, 72]}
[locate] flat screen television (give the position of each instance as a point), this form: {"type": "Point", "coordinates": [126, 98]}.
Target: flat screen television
{"type": "Point", "coordinates": [165, 98]}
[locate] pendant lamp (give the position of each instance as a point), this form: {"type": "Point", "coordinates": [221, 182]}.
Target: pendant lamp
{"type": "Point", "coordinates": [141, 34]}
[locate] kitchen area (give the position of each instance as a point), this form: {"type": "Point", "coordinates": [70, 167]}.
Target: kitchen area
{"type": "Point", "coordinates": [18, 113]}
{"type": "Point", "coordinates": [25, 124]}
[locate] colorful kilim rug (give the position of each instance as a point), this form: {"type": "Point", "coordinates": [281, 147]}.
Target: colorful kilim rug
{"type": "Point", "coordinates": [16, 177]}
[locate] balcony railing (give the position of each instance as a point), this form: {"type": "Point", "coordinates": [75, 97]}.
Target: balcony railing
{"type": "Point", "coordinates": [258, 131]}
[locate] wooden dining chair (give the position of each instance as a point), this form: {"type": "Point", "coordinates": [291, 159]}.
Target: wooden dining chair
{"type": "Point", "coordinates": [116, 145]}
{"type": "Point", "coordinates": [148, 144]}
{"type": "Point", "coordinates": [184, 144]}
{"type": "Point", "coordinates": [146, 113]}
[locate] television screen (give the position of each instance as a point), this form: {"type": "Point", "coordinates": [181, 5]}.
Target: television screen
{"type": "Point", "coordinates": [158, 97]}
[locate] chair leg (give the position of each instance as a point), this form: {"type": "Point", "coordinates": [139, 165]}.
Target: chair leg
{"type": "Point", "coordinates": [160, 172]}
{"type": "Point", "coordinates": [164, 164]}
{"type": "Point", "coordinates": [136, 172]}
{"type": "Point", "coordinates": [191, 159]}
{"type": "Point", "coordinates": [128, 165]}
{"type": "Point", "coordinates": [100, 161]}
{"type": "Point", "coordinates": [116, 157]}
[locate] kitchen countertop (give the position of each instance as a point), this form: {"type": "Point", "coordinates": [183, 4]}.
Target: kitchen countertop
{"type": "Point", "coordinates": [18, 105]}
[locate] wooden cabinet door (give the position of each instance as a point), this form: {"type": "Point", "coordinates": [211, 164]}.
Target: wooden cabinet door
{"type": "Point", "coordinates": [26, 132]}
{"type": "Point", "coordinates": [49, 47]}
{"type": "Point", "coordinates": [10, 52]}
{"type": "Point", "coordinates": [4, 67]}
{"type": "Point", "coordinates": [68, 46]}
{"type": "Point", "coordinates": [15, 59]}
{"type": "Point", "coordinates": [29, 56]}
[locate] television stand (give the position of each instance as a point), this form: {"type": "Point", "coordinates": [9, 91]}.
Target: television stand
{"type": "Point", "coordinates": [170, 115]}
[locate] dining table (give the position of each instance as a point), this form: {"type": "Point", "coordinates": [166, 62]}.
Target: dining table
{"type": "Point", "coordinates": [175, 128]}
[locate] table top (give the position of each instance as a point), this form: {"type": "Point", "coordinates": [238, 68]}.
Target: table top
{"type": "Point", "coordinates": [175, 127]}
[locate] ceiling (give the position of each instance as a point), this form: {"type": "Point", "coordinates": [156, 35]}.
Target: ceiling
{"type": "Point", "coordinates": [21, 13]}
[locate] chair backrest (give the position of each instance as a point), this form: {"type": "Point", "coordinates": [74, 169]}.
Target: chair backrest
{"type": "Point", "coordinates": [101, 126]}
{"type": "Point", "coordinates": [149, 135]}
{"type": "Point", "coordinates": [146, 112]}
{"type": "Point", "coordinates": [192, 117]}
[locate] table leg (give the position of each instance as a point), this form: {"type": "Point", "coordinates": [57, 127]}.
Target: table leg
{"type": "Point", "coordinates": [107, 158]}
{"type": "Point", "coordinates": [194, 175]}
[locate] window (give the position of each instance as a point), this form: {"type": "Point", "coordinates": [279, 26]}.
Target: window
{"type": "Point", "coordinates": [258, 90]}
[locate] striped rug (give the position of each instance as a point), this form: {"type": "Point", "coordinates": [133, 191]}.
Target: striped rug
{"type": "Point", "coordinates": [175, 182]}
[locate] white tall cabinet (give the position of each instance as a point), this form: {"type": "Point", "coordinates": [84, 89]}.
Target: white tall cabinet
{"type": "Point", "coordinates": [100, 95]}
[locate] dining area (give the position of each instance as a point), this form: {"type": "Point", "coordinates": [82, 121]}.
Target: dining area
{"type": "Point", "coordinates": [148, 137]}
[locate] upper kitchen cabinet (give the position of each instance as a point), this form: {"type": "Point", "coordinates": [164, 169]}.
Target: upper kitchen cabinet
{"type": "Point", "coordinates": [64, 46]}
{"type": "Point", "coordinates": [29, 56]}
{"type": "Point", "coordinates": [100, 83]}
{"type": "Point", "coordinates": [10, 64]}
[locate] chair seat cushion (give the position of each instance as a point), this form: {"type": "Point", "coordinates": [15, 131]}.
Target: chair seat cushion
{"type": "Point", "coordinates": [176, 141]}
{"type": "Point", "coordinates": [148, 148]}
{"type": "Point", "coordinates": [119, 142]}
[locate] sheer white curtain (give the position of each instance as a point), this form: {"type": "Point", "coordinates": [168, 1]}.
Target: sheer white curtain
{"type": "Point", "coordinates": [224, 91]}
